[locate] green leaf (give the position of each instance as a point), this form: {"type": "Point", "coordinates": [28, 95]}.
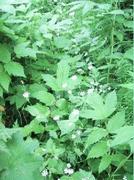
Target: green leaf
{"type": "Point", "coordinates": [129, 54]}
{"type": "Point", "coordinates": [62, 42]}
{"type": "Point", "coordinates": [5, 55]}
{"type": "Point", "coordinates": [4, 80]}
{"type": "Point", "coordinates": [34, 126]}
{"type": "Point", "coordinates": [50, 81]}
{"type": "Point", "coordinates": [98, 150]}
{"type": "Point", "coordinates": [81, 174]}
{"type": "Point", "coordinates": [1, 92]}
{"type": "Point", "coordinates": [123, 136]}
{"type": "Point", "coordinates": [66, 126]}
{"type": "Point", "coordinates": [22, 50]}
{"type": "Point", "coordinates": [22, 162]}
{"type": "Point", "coordinates": [39, 111]}
{"type": "Point", "coordinates": [105, 162]}
{"type": "Point", "coordinates": [110, 103]}
{"type": "Point", "coordinates": [62, 73]}
{"type": "Point", "coordinates": [15, 69]}
{"type": "Point", "coordinates": [44, 97]}
{"type": "Point", "coordinates": [116, 122]}
{"type": "Point", "coordinates": [95, 135]}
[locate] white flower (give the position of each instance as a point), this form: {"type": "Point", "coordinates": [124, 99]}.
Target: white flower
{"type": "Point", "coordinates": [74, 78]}
{"type": "Point", "coordinates": [90, 91]}
{"type": "Point", "coordinates": [124, 178]}
{"type": "Point", "coordinates": [80, 70]}
{"type": "Point", "coordinates": [68, 165]}
{"type": "Point", "coordinates": [96, 83]}
{"type": "Point", "coordinates": [82, 93]}
{"type": "Point", "coordinates": [70, 171]}
{"type": "Point", "coordinates": [69, 92]}
{"type": "Point", "coordinates": [92, 82]}
{"type": "Point", "coordinates": [26, 94]}
{"type": "Point", "coordinates": [56, 118]}
{"type": "Point", "coordinates": [43, 149]}
{"type": "Point", "coordinates": [75, 112]}
{"type": "Point", "coordinates": [44, 173]}
{"type": "Point", "coordinates": [109, 88]}
{"type": "Point", "coordinates": [71, 14]}
{"type": "Point", "coordinates": [70, 124]}
{"type": "Point", "coordinates": [90, 66]}
{"type": "Point", "coordinates": [22, 82]}
{"type": "Point", "coordinates": [56, 157]}
{"type": "Point", "coordinates": [78, 132]}
{"type": "Point", "coordinates": [73, 136]}
{"type": "Point", "coordinates": [66, 170]}
{"type": "Point", "coordinates": [64, 85]}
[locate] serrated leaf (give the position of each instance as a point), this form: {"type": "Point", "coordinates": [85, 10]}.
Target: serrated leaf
{"type": "Point", "coordinates": [105, 162]}
{"type": "Point", "coordinates": [39, 111]}
{"type": "Point", "coordinates": [116, 122]}
{"type": "Point", "coordinates": [123, 136]}
{"type": "Point", "coordinates": [62, 42]}
{"type": "Point", "coordinates": [50, 81]}
{"type": "Point", "coordinates": [110, 103]}
{"type": "Point", "coordinates": [5, 55]}
{"type": "Point", "coordinates": [34, 126]}
{"type": "Point", "coordinates": [15, 69]}
{"type": "Point", "coordinates": [4, 80]}
{"type": "Point", "coordinates": [21, 163]}
{"type": "Point", "coordinates": [66, 126]}
{"type": "Point", "coordinates": [129, 54]}
{"type": "Point", "coordinates": [44, 97]}
{"type": "Point", "coordinates": [100, 110]}
{"type": "Point", "coordinates": [62, 73]}
{"type": "Point", "coordinates": [22, 50]}
{"type": "Point", "coordinates": [95, 135]}
{"type": "Point", "coordinates": [99, 149]}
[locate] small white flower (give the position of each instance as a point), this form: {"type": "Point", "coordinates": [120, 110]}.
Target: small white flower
{"type": "Point", "coordinates": [90, 66]}
{"type": "Point", "coordinates": [73, 136]}
{"type": "Point", "coordinates": [124, 178]}
{"type": "Point", "coordinates": [70, 124]}
{"type": "Point", "coordinates": [56, 157]}
{"type": "Point", "coordinates": [80, 70]}
{"type": "Point", "coordinates": [76, 112]}
{"type": "Point", "coordinates": [74, 78]}
{"type": "Point", "coordinates": [26, 94]}
{"type": "Point", "coordinates": [78, 132]}
{"type": "Point", "coordinates": [71, 14]}
{"type": "Point", "coordinates": [82, 93]}
{"type": "Point", "coordinates": [68, 165]}
{"type": "Point", "coordinates": [90, 91]}
{"type": "Point", "coordinates": [56, 118]}
{"type": "Point", "coordinates": [22, 82]}
{"type": "Point", "coordinates": [92, 82]}
{"type": "Point", "coordinates": [64, 86]}
{"type": "Point", "coordinates": [66, 170]}
{"type": "Point", "coordinates": [43, 149]}
{"type": "Point", "coordinates": [69, 92]}
{"type": "Point", "coordinates": [70, 171]}
{"type": "Point", "coordinates": [96, 83]}
{"type": "Point", "coordinates": [44, 173]}
{"type": "Point", "coordinates": [109, 88]}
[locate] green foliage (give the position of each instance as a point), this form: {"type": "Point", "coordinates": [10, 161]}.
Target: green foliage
{"type": "Point", "coordinates": [66, 89]}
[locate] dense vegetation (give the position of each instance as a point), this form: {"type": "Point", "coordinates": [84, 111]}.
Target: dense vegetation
{"type": "Point", "coordinates": [66, 90]}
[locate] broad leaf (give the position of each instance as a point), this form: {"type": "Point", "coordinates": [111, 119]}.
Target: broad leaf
{"type": "Point", "coordinates": [15, 69]}
{"type": "Point", "coordinates": [98, 150]}
{"type": "Point", "coordinates": [5, 55]}
{"type": "Point", "coordinates": [123, 136]}
{"type": "Point", "coordinates": [116, 122]}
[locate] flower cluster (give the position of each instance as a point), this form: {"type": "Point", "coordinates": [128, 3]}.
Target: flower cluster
{"type": "Point", "coordinates": [68, 170]}
{"type": "Point", "coordinates": [45, 173]}
{"type": "Point", "coordinates": [77, 134]}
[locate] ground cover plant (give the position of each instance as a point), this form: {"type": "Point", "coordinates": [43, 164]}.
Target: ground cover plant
{"type": "Point", "coordinates": [66, 90]}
